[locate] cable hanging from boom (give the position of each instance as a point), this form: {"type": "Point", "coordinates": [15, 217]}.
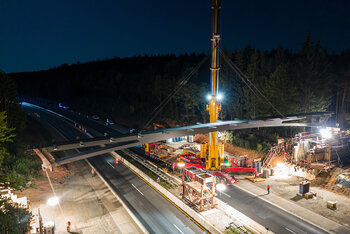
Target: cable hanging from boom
{"type": "Point", "coordinates": [246, 81]}
{"type": "Point", "coordinates": [179, 85]}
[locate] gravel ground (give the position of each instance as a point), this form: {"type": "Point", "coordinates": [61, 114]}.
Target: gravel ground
{"type": "Point", "coordinates": [85, 201]}
{"type": "Point", "coordinates": [288, 188]}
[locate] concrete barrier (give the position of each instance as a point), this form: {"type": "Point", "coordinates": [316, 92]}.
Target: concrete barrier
{"type": "Point", "coordinates": [196, 217]}
{"type": "Point", "coordinates": [45, 162]}
{"type": "Point", "coordinates": [246, 221]}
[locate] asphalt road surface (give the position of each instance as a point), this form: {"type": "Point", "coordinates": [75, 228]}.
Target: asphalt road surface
{"type": "Point", "coordinates": [268, 215]}
{"type": "Point", "coordinates": [156, 213]}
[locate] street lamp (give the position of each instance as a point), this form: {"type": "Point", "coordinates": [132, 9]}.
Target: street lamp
{"type": "Point", "coordinates": [53, 201]}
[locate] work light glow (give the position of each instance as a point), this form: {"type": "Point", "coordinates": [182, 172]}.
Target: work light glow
{"type": "Point", "coordinates": [220, 187]}
{"type": "Point", "coordinates": [219, 96]}
{"type": "Point", "coordinates": [325, 133]}
{"type": "Point", "coordinates": [53, 201]}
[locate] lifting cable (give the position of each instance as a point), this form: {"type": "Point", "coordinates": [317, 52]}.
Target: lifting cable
{"type": "Point", "coordinates": [179, 85]}
{"type": "Point", "coordinates": [246, 81]}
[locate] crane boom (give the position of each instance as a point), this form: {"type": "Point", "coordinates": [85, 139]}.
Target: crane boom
{"type": "Point", "coordinates": [215, 157]}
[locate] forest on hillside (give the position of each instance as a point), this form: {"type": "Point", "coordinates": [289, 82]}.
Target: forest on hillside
{"type": "Point", "coordinates": [17, 167]}
{"type": "Point", "coordinates": [128, 89]}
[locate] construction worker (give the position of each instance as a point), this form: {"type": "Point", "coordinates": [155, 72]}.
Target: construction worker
{"type": "Point", "coordinates": [68, 226]}
{"type": "Point", "coordinates": [268, 189]}
{"type": "Point", "coordinates": [158, 180]}
{"type": "Point", "coordinates": [92, 172]}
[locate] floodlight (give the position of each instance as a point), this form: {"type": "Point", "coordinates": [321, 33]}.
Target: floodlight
{"type": "Point", "coordinates": [219, 96]}
{"type": "Point", "coordinates": [325, 133]}
{"type": "Point", "coordinates": [53, 201]}
{"type": "Point", "coordinates": [220, 187]}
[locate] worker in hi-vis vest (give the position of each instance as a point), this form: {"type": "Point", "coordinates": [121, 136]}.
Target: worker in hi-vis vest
{"type": "Point", "coordinates": [68, 226]}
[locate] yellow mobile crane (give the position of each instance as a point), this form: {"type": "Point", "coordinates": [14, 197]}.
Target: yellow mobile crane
{"type": "Point", "coordinates": [214, 157]}
{"type": "Point", "coordinates": [212, 152]}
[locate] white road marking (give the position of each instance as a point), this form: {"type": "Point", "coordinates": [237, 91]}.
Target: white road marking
{"type": "Point", "coordinates": [226, 194]}
{"type": "Point", "coordinates": [137, 189]}
{"type": "Point", "coordinates": [178, 229]}
{"type": "Point", "coordinates": [290, 230]}
{"type": "Point", "coordinates": [111, 164]}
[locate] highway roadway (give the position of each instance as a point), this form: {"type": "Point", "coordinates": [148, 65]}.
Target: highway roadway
{"type": "Point", "coordinates": [268, 215]}
{"type": "Point", "coordinates": [158, 216]}
{"type": "Point", "coordinates": [155, 212]}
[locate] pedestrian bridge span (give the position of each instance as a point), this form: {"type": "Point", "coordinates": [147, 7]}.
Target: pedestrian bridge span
{"type": "Point", "coordinates": [113, 143]}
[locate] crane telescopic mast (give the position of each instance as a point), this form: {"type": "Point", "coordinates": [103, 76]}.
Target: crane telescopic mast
{"type": "Point", "coordinates": [215, 157]}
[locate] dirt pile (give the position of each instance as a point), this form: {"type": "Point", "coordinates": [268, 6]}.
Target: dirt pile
{"type": "Point", "coordinates": [332, 178]}
{"type": "Point", "coordinates": [59, 173]}
{"type": "Point", "coordinates": [235, 150]}
{"type": "Point", "coordinates": [332, 185]}
{"type": "Point", "coordinates": [328, 180]}
{"type": "Point", "coordinates": [321, 179]}
{"type": "Point", "coordinates": [41, 187]}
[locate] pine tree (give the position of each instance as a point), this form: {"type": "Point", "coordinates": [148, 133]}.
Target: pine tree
{"type": "Point", "coordinates": [6, 135]}
{"type": "Point", "coordinates": [313, 77]}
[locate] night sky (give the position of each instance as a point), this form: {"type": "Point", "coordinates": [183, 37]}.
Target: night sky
{"type": "Point", "coordinates": [40, 34]}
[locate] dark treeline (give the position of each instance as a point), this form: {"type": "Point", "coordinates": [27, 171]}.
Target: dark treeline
{"type": "Point", "coordinates": [128, 89]}
{"type": "Point", "coordinates": [125, 89]}
{"type": "Point", "coordinates": [17, 166]}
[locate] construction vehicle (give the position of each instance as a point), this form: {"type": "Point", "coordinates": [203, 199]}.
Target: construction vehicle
{"type": "Point", "coordinates": [188, 157]}
{"type": "Point", "coordinates": [155, 150]}
{"type": "Point", "coordinates": [157, 126]}
{"type": "Point", "coordinates": [225, 178]}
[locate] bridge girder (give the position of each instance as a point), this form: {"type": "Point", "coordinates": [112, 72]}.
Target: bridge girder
{"type": "Point", "coordinates": [118, 143]}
